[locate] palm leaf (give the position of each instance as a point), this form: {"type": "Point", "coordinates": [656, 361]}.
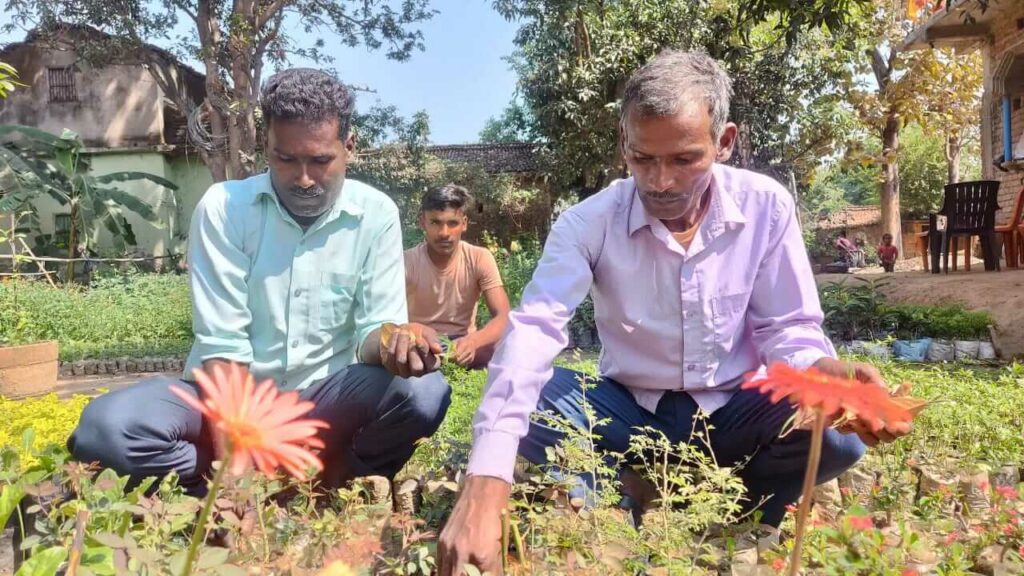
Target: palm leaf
{"type": "Point", "coordinates": [132, 203]}
{"type": "Point", "coordinates": [132, 176]}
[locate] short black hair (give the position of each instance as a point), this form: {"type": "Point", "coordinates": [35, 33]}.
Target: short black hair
{"type": "Point", "coordinates": [308, 95]}
{"type": "Point", "coordinates": [445, 197]}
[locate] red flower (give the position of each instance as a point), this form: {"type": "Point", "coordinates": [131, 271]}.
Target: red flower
{"type": "Point", "coordinates": [815, 390]}
{"type": "Point", "coordinates": [1007, 492]}
{"type": "Point", "coordinates": [951, 537]}
{"type": "Point", "coordinates": [778, 564]}
{"type": "Point", "coordinates": [861, 522]}
{"type": "Point", "coordinates": [910, 572]}
{"type": "Point", "coordinates": [256, 424]}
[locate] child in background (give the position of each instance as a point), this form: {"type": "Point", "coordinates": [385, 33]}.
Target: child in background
{"type": "Point", "coordinates": [888, 253]}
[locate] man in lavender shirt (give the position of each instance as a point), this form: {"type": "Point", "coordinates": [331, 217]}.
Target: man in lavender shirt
{"type": "Point", "coordinates": [699, 275]}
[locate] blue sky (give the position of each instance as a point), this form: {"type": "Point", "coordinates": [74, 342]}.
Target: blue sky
{"type": "Point", "coordinates": [460, 79]}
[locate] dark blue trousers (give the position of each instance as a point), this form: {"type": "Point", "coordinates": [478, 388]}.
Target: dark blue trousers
{"type": "Point", "coordinates": [748, 426]}
{"type": "Point", "coordinates": [375, 421]}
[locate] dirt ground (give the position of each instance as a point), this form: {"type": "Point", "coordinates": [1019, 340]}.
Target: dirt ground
{"type": "Point", "coordinates": [999, 293]}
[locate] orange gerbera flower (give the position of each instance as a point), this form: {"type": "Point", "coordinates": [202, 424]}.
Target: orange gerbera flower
{"type": "Point", "coordinates": [813, 389]}
{"type": "Point", "coordinates": [256, 424]}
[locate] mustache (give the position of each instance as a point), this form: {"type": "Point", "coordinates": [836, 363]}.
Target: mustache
{"type": "Point", "coordinates": [665, 195]}
{"type": "Point", "coordinates": [311, 192]}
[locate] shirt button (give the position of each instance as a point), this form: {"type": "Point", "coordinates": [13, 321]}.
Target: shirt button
{"type": "Point", "coordinates": [297, 292]}
{"type": "Point", "coordinates": [295, 343]}
{"type": "Point", "coordinates": [691, 367]}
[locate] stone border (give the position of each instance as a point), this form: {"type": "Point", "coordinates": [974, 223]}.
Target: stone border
{"type": "Point", "coordinates": [124, 365]}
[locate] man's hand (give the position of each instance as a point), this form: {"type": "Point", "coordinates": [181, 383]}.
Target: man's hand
{"type": "Point", "coordinates": [473, 532]}
{"type": "Point", "coordinates": [465, 349]}
{"type": "Point", "coordinates": [868, 374]}
{"type": "Point", "coordinates": [411, 351]}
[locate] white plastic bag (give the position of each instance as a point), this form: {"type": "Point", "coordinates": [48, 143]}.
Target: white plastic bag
{"type": "Point", "coordinates": [940, 351]}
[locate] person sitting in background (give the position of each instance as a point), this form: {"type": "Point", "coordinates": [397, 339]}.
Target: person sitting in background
{"type": "Point", "coordinates": [851, 254]}
{"type": "Point", "coordinates": [445, 276]}
{"type": "Point", "coordinates": [888, 253]}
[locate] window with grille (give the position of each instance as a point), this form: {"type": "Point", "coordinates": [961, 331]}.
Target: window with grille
{"type": "Point", "coordinates": [61, 223]}
{"type": "Point", "coordinates": [62, 84]}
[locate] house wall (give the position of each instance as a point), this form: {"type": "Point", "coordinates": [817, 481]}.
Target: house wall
{"type": "Point", "coordinates": [189, 174]}
{"type": "Point", "coordinates": [1007, 42]}
{"type": "Point", "coordinates": [116, 106]}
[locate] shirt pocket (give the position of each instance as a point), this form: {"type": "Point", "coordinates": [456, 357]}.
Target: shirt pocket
{"type": "Point", "coordinates": [729, 312]}
{"type": "Point", "coordinates": [337, 293]}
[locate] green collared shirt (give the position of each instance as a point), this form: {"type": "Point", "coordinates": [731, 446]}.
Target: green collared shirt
{"type": "Point", "coordinates": [296, 306]}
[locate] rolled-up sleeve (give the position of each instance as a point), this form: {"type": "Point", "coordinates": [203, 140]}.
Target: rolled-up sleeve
{"type": "Point", "coordinates": [218, 276]}
{"type": "Point", "coordinates": [380, 295]}
{"type": "Point", "coordinates": [534, 337]}
{"type": "Point", "coordinates": [785, 311]}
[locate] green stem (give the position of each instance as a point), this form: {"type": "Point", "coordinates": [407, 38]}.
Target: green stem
{"type": "Point", "coordinates": [518, 538]}
{"type": "Point", "coordinates": [814, 458]}
{"type": "Point", "coordinates": [199, 533]}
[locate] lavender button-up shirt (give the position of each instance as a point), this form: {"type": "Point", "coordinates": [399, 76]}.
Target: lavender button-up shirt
{"type": "Point", "coordinates": [741, 297]}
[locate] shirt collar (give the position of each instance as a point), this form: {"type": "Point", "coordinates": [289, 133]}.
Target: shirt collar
{"type": "Point", "coordinates": [722, 210]}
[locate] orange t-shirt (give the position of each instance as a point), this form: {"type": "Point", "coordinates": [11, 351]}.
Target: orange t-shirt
{"type": "Point", "coordinates": [446, 299]}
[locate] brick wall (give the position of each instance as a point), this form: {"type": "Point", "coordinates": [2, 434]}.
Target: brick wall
{"type": "Point", "coordinates": [1008, 40]}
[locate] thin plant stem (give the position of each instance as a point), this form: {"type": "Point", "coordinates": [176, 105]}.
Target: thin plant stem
{"type": "Point", "coordinates": [520, 549]}
{"type": "Point", "coordinates": [76, 544]}
{"type": "Point", "coordinates": [813, 460]}
{"type": "Point", "coordinates": [263, 525]}
{"type": "Point", "coordinates": [199, 533]}
{"type": "Point", "coordinates": [504, 540]}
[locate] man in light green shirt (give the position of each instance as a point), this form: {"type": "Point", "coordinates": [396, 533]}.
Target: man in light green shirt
{"type": "Point", "coordinates": [293, 272]}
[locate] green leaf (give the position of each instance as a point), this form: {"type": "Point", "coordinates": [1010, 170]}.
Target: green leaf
{"type": "Point", "coordinates": [28, 132]}
{"type": "Point", "coordinates": [109, 540]}
{"type": "Point", "coordinates": [10, 497]}
{"type": "Point", "coordinates": [43, 563]}
{"type": "Point", "coordinates": [212, 558]}
{"type": "Point", "coordinates": [133, 176]}
{"type": "Point", "coordinates": [132, 203]}
{"type": "Point", "coordinates": [99, 560]}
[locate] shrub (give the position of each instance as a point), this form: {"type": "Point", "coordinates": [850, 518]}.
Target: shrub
{"type": "Point", "coordinates": [115, 315]}
{"type": "Point", "coordinates": [860, 312]}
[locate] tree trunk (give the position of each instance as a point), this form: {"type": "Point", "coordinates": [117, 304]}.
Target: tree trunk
{"type": "Point", "coordinates": [890, 196]}
{"type": "Point", "coordinates": [953, 149]}
{"type": "Point", "coordinates": [209, 41]}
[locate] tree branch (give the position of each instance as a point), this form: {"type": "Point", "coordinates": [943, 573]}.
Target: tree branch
{"type": "Point", "coordinates": [270, 12]}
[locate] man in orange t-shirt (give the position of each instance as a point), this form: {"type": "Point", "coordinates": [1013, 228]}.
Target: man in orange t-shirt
{"type": "Point", "coordinates": [444, 278]}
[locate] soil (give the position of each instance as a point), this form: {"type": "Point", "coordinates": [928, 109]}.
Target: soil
{"type": "Point", "coordinates": [999, 293]}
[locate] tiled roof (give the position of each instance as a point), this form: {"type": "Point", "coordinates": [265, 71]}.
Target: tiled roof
{"type": "Point", "coordinates": [851, 217]}
{"type": "Point", "coordinates": [503, 157]}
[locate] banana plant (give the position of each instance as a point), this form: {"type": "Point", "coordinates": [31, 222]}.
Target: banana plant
{"type": "Point", "coordinates": [34, 163]}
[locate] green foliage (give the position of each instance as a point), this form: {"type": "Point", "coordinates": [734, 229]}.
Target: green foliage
{"type": "Point", "coordinates": [860, 311]}
{"type": "Point", "coordinates": [31, 425]}
{"type": "Point", "coordinates": [34, 163]}
{"type": "Point", "coordinates": [138, 314]}
{"type": "Point", "coordinates": [573, 59]}
{"type": "Point", "coordinates": [8, 80]}
{"type": "Point", "coordinates": [514, 125]}
{"type": "Point", "coordinates": [973, 423]}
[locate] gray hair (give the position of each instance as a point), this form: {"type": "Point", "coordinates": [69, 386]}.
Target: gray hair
{"type": "Point", "coordinates": [669, 80]}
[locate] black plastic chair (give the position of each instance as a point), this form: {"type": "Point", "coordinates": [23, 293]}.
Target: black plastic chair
{"type": "Point", "coordinates": [970, 210]}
